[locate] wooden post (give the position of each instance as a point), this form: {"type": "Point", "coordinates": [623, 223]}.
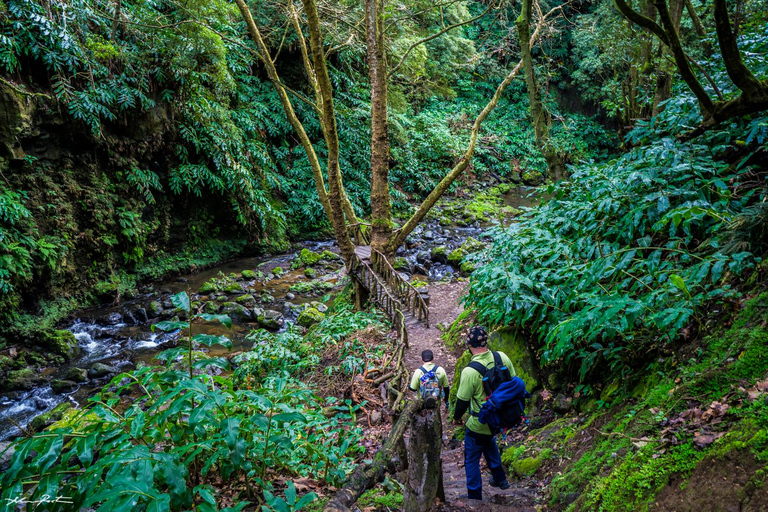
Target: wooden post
{"type": "Point", "coordinates": [425, 468]}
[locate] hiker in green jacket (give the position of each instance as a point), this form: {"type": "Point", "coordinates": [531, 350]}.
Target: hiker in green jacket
{"type": "Point", "coordinates": [430, 380]}
{"type": "Point", "coordinates": [478, 439]}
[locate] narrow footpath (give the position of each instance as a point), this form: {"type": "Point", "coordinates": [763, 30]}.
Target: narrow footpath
{"type": "Point", "coordinates": [444, 308]}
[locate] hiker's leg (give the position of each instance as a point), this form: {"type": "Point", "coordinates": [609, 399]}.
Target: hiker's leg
{"type": "Point", "coordinates": [493, 459]}
{"type": "Point", "coordinates": [472, 453]}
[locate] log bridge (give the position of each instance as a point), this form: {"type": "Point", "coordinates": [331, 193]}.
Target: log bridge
{"type": "Point", "coordinates": [405, 306]}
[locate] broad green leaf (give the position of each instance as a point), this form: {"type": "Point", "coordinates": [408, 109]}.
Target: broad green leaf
{"type": "Point", "coordinates": [181, 300]}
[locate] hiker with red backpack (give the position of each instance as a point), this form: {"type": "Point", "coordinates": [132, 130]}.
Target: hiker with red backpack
{"type": "Point", "coordinates": [430, 381]}
{"type": "Point", "coordinates": [495, 399]}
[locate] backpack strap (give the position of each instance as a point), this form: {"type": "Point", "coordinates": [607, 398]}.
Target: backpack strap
{"type": "Point", "coordinates": [478, 367]}
{"type": "Point", "coordinates": [497, 359]}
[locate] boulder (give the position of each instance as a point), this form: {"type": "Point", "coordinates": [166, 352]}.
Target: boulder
{"type": "Point", "coordinates": [245, 299]}
{"type": "Point", "coordinates": [62, 343]}
{"type": "Point", "coordinates": [50, 417]}
{"type": "Point", "coordinates": [114, 318]}
{"type": "Point", "coordinates": [562, 404]}
{"type": "Point", "coordinates": [401, 264]}
{"type": "Point", "coordinates": [235, 311]}
{"type": "Point", "coordinates": [440, 254]}
{"type": "Point", "coordinates": [509, 341]}
{"type": "Point", "coordinates": [154, 309]}
{"type": "Point", "coordinates": [99, 370]}
{"type": "Point", "coordinates": [248, 274]}
{"type": "Point", "coordinates": [234, 289]}
{"type": "Point", "coordinates": [307, 258]}
{"type": "Point", "coordinates": [24, 379]}
{"type": "Point", "coordinates": [207, 288]}
{"type": "Point", "coordinates": [77, 374]}
{"type": "Point", "coordinates": [211, 308]}
{"type": "Point", "coordinates": [470, 246]}
{"type": "Point", "coordinates": [63, 386]}
{"type": "Point", "coordinates": [310, 273]}
{"type": "Point", "coordinates": [289, 296]}
{"type": "Point", "coordinates": [140, 314]}
{"type": "Point", "coordinates": [271, 319]}
{"type": "Point", "coordinates": [309, 317]}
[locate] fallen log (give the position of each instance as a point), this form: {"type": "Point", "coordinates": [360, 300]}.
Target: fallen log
{"type": "Point", "coordinates": [366, 476]}
{"type": "Point", "coordinates": [425, 468]}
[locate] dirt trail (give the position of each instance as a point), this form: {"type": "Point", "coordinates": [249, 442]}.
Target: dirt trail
{"type": "Point", "coordinates": [444, 307]}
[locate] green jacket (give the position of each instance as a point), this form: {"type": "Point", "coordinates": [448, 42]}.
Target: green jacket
{"type": "Point", "coordinates": [471, 388]}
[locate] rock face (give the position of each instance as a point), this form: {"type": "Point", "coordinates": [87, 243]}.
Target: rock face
{"type": "Point", "coordinates": [310, 316]}
{"type": "Point", "coordinates": [562, 404]}
{"type": "Point", "coordinates": [101, 370]}
{"type": "Point", "coordinates": [271, 319]}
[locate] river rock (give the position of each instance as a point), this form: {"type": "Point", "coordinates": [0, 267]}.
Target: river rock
{"type": "Point", "coordinates": [98, 370]}
{"type": "Point", "coordinates": [24, 379]}
{"type": "Point", "coordinates": [62, 386]}
{"type": "Point", "coordinates": [271, 319]}
{"type": "Point", "coordinates": [6, 452]}
{"type": "Point", "coordinates": [245, 299]}
{"type": "Point", "coordinates": [424, 257]}
{"type": "Point", "coordinates": [155, 308]}
{"type": "Point", "coordinates": [62, 343]}
{"type": "Point", "coordinates": [211, 308]}
{"type": "Point", "coordinates": [562, 404]}
{"type": "Point", "coordinates": [234, 289]}
{"type": "Point", "coordinates": [440, 254]}
{"type": "Point", "coordinates": [141, 314]}
{"type": "Point", "coordinates": [401, 264]}
{"type": "Point", "coordinates": [114, 318]}
{"type": "Point", "coordinates": [207, 288]}
{"type": "Point", "coordinates": [322, 308]}
{"type": "Point", "coordinates": [49, 418]}
{"type": "Point", "coordinates": [235, 310]}
{"type": "Point", "coordinates": [77, 374]}
{"type": "Point", "coordinates": [250, 275]}
{"type": "Point", "coordinates": [289, 296]}
{"type": "Point", "coordinates": [309, 317]}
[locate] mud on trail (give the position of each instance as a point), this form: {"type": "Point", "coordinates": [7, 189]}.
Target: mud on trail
{"type": "Point", "coordinates": [444, 307]}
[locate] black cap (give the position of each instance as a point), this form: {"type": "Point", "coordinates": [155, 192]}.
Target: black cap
{"type": "Point", "coordinates": [477, 337]}
{"type": "Point", "coordinates": [427, 356]}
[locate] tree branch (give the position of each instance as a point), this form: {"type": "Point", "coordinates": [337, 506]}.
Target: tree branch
{"type": "Point", "coordinates": [639, 19]}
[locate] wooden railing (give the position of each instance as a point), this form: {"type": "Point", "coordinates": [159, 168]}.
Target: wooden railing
{"type": "Point", "coordinates": [408, 296]}
{"type": "Point", "coordinates": [383, 297]}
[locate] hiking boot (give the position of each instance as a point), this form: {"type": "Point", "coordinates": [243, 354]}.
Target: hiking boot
{"type": "Point", "coordinates": [502, 485]}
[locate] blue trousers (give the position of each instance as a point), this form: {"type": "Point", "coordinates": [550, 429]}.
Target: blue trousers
{"type": "Point", "coordinates": [476, 445]}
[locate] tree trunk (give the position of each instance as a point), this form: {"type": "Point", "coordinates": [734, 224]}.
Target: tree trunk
{"type": "Point", "coordinates": [425, 474]}
{"type": "Point", "coordinates": [539, 114]}
{"type": "Point", "coordinates": [381, 219]}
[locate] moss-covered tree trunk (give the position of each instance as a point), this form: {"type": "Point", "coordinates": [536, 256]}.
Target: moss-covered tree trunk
{"type": "Point", "coordinates": [539, 115]}
{"type": "Point", "coordinates": [425, 468]}
{"type": "Point", "coordinates": [381, 220]}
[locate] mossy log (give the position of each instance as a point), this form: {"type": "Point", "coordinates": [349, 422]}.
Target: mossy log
{"type": "Point", "coordinates": [425, 474]}
{"type": "Point", "coordinates": [365, 476]}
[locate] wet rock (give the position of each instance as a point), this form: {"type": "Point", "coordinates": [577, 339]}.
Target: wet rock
{"type": "Point", "coordinates": [77, 374]}
{"type": "Point", "coordinates": [49, 418]}
{"type": "Point", "coordinates": [181, 279]}
{"type": "Point", "coordinates": [309, 317]}
{"type": "Point", "coordinates": [375, 417]}
{"type": "Point", "coordinates": [420, 269]}
{"type": "Point", "coordinates": [63, 386]}
{"type": "Point", "coordinates": [571, 497]}
{"type": "Point", "coordinates": [289, 296]}
{"type": "Point", "coordinates": [310, 273]}
{"type": "Point", "coordinates": [207, 288]}
{"type": "Point", "coordinates": [271, 319]}
{"type": "Point", "coordinates": [307, 258]}
{"type": "Point", "coordinates": [248, 274]}
{"type": "Point", "coordinates": [222, 298]}
{"type": "Point", "coordinates": [429, 235]}
{"type": "Point", "coordinates": [266, 298]}
{"type": "Point", "coordinates": [155, 308]}
{"type": "Point", "coordinates": [211, 308]}
{"type": "Point", "coordinates": [62, 343]}
{"type": "Point", "coordinates": [114, 318]}
{"type": "Point", "coordinates": [440, 254]}
{"type": "Point", "coordinates": [24, 379]}
{"type": "Point", "coordinates": [234, 289]}
{"type": "Point", "coordinates": [236, 311]}
{"type": "Point", "coordinates": [245, 299]}
{"type": "Point", "coordinates": [140, 314]}
{"type": "Point", "coordinates": [99, 370]}
{"type": "Point", "coordinates": [401, 264]}
{"type": "Point", "coordinates": [424, 257]}
{"type": "Point", "coordinates": [322, 308]}
{"type": "Point", "coordinates": [562, 404]}
{"type": "Point", "coordinates": [470, 246]}
{"type": "Point", "coordinates": [168, 304]}
{"type": "Point", "coordinates": [129, 319]}
{"type": "Point", "coordinates": [6, 452]}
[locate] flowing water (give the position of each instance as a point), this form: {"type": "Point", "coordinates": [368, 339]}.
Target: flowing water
{"type": "Point", "coordinates": [121, 335]}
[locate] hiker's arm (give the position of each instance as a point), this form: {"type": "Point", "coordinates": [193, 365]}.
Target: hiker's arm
{"type": "Point", "coordinates": [461, 409]}
{"type": "Point", "coordinates": [414, 385]}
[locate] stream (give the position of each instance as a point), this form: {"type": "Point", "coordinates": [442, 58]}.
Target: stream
{"type": "Point", "coordinates": [120, 335]}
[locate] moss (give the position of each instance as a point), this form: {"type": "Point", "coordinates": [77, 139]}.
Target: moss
{"type": "Point", "coordinates": [454, 336]}
{"type": "Point", "coordinates": [278, 271]}
{"type": "Point", "coordinates": [308, 258]}
{"type": "Point", "coordinates": [24, 379]}
{"type": "Point", "coordinates": [50, 417]}
{"type": "Point", "coordinates": [509, 341]}
{"type": "Point", "coordinates": [75, 419]}
{"type": "Point", "coordinates": [60, 342]}
{"type": "Point", "coordinates": [245, 299]}
{"type": "Point", "coordinates": [310, 273]}
{"type": "Point", "coordinates": [526, 467]}
{"type": "Point", "coordinates": [401, 264]}
{"type": "Point", "coordinates": [233, 288]}
{"type": "Point", "coordinates": [249, 275]}
{"type": "Point", "coordinates": [310, 316]}
{"type": "Point", "coordinates": [377, 497]}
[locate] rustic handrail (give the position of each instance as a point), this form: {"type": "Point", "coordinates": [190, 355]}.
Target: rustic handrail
{"type": "Point", "coordinates": [382, 296]}
{"type": "Point", "coordinates": [405, 291]}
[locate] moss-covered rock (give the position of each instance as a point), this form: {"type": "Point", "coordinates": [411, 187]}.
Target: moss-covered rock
{"type": "Point", "coordinates": [271, 319]}
{"type": "Point", "coordinates": [509, 341]}
{"type": "Point", "coordinates": [454, 336]}
{"type": "Point", "coordinates": [310, 273]}
{"type": "Point", "coordinates": [308, 258]}
{"type": "Point", "coordinates": [467, 267]}
{"type": "Point", "coordinates": [526, 467]}
{"type": "Point", "coordinates": [62, 386]}
{"type": "Point", "coordinates": [236, 311]}
{"type": "Point", "coordinates": [440, 254]}
{"type": "Point", "coordinates": [77, 374]}
{"type": "Point", "coordinates": [98, 370]}
{"type": "Point", "coordinates": [50, 417]}
{"type": "Point", "coordinates": [278, 271]}
{"type": "Point", "coordinates": [310, 316]}
{"type": "Point", "coordinates": [155, 308]}
{"type": "Point", "coordinates": [329, 256]}
{"type": "Point", "coordinates": [208, 288]}
{"type": "Point", "coordinates": [470, 246]}
{"type": "Point", "coordinates": [533, 178]}
{"type": "Point", "coordinates": [234, 289]}
{"type": "Point", "coordinates": [249, 275]}
{"type": "Point", "coordinates": [62, 343]}
{"type": "Point", "coordinates": [23, 379]}
{"type": "Point", "coordinates": [245, 299]}
{"type": "Point", "coordinates": [401, 264]}
{"type": "Point", "coordinates": [211, 308]}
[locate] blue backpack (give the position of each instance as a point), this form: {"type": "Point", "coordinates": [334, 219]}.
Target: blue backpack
{"type": "Point", "coordinates": [505, 396]}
